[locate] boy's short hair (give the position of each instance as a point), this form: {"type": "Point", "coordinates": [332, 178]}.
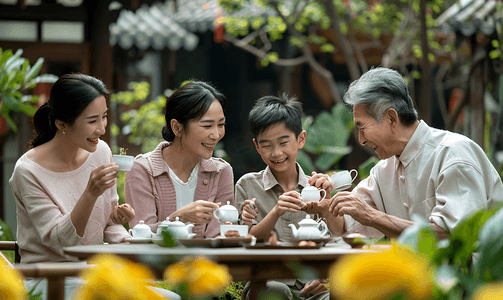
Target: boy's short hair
{"type": "Point", "coordinates": [271, 110]}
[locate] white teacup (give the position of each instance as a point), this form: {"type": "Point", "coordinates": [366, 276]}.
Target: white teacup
{"type": "Point", "coordinates": [312, 194]}
{"type": "Point", "coordinates": [342, 180]}
{"type": "Point", "coordinates": [141, 231]}
{"type": "Point", "coordinates": [243, 229]}
{"type": "Point", "coordinates": [125, 162]}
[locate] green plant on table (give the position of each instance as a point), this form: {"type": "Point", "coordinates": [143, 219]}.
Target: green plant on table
{"type": "Point", "coordinates": [122, 151]}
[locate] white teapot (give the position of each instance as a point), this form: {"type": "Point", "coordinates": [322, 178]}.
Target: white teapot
{"type": "Point", "coordinates": [226, 213]}
{"type": "Point", "coordinates": [141, 231]}
{"type": "Point", "coordinates": [177, 228]}
{"type": "Point", "coordinates": [308, 229]}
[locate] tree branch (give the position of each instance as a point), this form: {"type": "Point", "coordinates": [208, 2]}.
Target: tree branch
{"type": "Point", "coordinates": [440, 91]}
{"type": "Point", "coordinates": [354, 72]}
{"type": "Point", "coordinates": [308, 54]}
{"type": "Point", "coordinates": [392, 52]}
{"type": "Point", "coordinates": [262, 54]}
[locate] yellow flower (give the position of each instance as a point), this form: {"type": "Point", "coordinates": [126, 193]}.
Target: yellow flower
{"type": "Point", "coordinates": [381, 275]}
{"type": "Point", "coordinates": [489, 292]}
{"type": "Point", "coordinates": [203, 277]}
{"type": "Point", "coordinates": [11, 283]}
{"type": "Point", "coordinates": [177, 273]}
{"type": "Point", "coordinates": [116, 278]}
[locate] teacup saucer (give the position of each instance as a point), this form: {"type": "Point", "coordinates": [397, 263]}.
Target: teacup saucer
{"type": "Point", "coordinates": [343, 187]}
{"type": "Point", "coordinates": [133, 240]}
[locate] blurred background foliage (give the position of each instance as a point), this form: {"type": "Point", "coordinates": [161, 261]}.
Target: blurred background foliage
{"type": "Point", "coordinates": [16, 78]}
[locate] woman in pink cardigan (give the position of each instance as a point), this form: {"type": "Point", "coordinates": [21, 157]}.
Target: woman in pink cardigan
{"type": "Point", "coordinates": [65, 185]}
{"type": "Point", "coordinates": [180, 178]}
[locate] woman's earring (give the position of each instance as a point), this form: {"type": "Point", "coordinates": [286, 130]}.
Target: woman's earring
{"type": "Point", "coordinates": [64, 132]}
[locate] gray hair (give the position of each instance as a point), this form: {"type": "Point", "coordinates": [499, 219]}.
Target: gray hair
{"type": "Point", "coordinates": [380, 89]}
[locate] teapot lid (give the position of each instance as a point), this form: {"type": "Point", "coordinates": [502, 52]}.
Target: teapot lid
{"type": "Point", "coordinates": [228, 206]}
{"type": "Point", "coordinates": [176, 223]}
{"type": "Point", "coordinates": [308, 221]}
{"type": "Point", "coordinates": [310, 188]}
{"type": "Point", "coordinates": [141, 224]}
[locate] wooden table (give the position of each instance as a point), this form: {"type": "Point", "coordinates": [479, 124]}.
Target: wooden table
{"type": "Point", "coordinates": [255, 265]}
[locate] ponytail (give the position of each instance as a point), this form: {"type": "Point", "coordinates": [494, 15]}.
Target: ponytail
{"type": "Point", "coordinates": [44, 126]}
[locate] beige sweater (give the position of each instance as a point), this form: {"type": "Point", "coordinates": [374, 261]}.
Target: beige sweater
{"type": "Point", "coordinates": [44, 201]}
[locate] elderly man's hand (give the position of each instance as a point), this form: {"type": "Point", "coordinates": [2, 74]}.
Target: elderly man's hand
{"type": "Point", "coordinates": [317, 207]}
{"type": "Point", "coordinates": [348, 203]}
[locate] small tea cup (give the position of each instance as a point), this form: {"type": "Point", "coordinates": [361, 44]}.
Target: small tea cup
{"type": "Point", "coordinates": [125, 162]}
{"type": "Point", "coordinates": [342, 180]}
{"type": "Point", "coordinates": [242, 229]}
{"type": "Point", "coordinates": [312, 194]}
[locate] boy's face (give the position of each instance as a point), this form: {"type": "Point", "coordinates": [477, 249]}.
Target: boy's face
{"type": "Point", "coordinates": [278, 147]}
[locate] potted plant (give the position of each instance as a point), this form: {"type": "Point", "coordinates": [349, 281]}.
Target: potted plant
{"type": "Point", "coordinates": [17, 77]}
{"type": "Point", "coordinates": [124, 161]}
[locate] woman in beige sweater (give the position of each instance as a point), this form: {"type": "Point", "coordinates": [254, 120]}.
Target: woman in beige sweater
{"type": "Point", "coordinates": [65, 185]}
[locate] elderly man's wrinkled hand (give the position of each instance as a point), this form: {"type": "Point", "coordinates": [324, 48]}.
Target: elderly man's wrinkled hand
{"type": "Point", "coordinates": [348, 203]}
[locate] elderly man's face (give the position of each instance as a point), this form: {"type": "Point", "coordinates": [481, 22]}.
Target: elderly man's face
{"type": "Point", "coordinates": [370, 133]}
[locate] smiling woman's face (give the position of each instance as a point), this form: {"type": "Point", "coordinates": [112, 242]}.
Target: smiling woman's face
{"type": "Point", "coordinates": [89, 126]}
{"type": "Point", "coordinates": [201, 136]}
{"type": "Point", "coordinates": [370, 133]}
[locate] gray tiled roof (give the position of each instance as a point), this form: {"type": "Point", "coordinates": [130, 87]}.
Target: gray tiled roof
{"type": "Point", "coordinates": [473, 16]}
{"type": "Point", "coordinates": [162, 26]}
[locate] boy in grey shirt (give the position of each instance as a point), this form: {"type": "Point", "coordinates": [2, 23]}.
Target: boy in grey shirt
{"type": "Point", "coordinates": [274, 193]}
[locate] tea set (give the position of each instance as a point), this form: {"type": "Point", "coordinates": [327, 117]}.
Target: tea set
{"type": "Point", "coordinates": [228, 216]}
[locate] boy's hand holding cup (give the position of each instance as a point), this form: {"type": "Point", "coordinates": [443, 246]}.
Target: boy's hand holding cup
{"type": "Point", "coordinates": [250, 211]}
{"type": "Point", "coordinates": [321, 189]}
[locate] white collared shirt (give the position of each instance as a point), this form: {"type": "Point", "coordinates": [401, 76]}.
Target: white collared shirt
{"type": "Point", "coordinates": [440, 175]}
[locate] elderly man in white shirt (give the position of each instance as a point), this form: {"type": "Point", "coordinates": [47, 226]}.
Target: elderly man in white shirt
{"type": "Point", "coordinates": [440, 175]}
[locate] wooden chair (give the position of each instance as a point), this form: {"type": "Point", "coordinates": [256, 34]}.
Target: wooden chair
{"type": "Point", "coordinates": [55, 272]}
{"type": "Point", "coordinates": [11, 246]}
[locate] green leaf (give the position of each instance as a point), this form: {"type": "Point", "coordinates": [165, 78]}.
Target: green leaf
{"type": "Point", "coordinates": [27, 109]}
{"type": "Point", "coordinates": [364, 168]}
{"type": "Point", "coordinates": [421, 236]}
{"type": "Point", "coordinates": [489, 264]}
{"type": "Point", "coordinates": [5, 56]}
{"type": "Point", "coordinates": [13, 59]}
{"type": "Point", "coordinates": [33, 71]}
{"type": "Point", "coordinates": [272, 56]}
{"type": "Point", "coordinates": [168, 239]}
{"type": "Point", "coordinates": [305, 162]}
{"type": "Point", "coordinates": [10, 122]}
{"type": "Point", "coordinates": [11, 102]}
{"type": "Point", "coordinates": [495, 54]}
{"type": "Point", "coordinates": [327, 48]}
